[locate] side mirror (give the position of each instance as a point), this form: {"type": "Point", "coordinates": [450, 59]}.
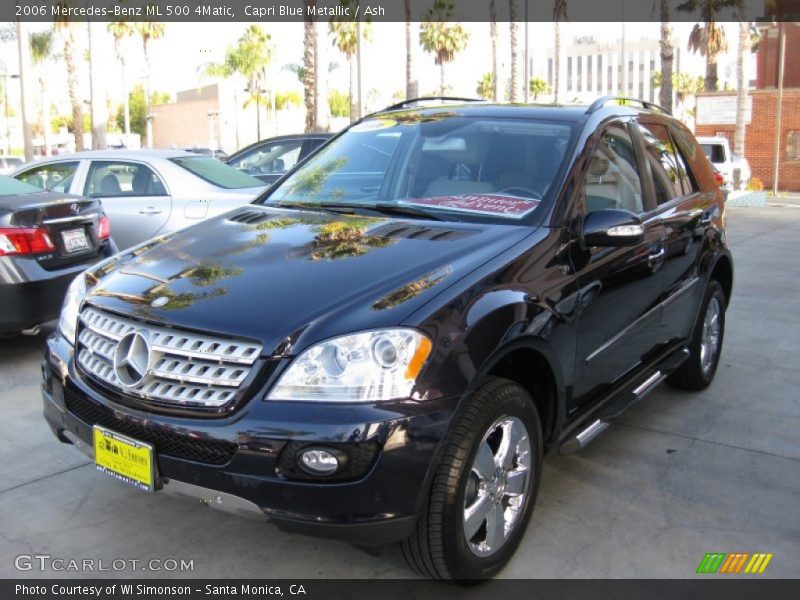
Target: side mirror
{"type": "Point", "coordinates": [612, 227]}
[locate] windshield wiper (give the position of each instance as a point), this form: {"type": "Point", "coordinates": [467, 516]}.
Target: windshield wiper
{"type": "Point", "coordinates": [312, 206]}
{"type": "Point", "coordinates": [384, 208]}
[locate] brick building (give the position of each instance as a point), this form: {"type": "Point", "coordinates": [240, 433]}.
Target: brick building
{"type": "Point", "coordinates": [759, 138]}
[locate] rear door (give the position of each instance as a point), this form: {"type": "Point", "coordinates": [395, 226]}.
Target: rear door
{"type": "Point", "coordinates": [685, 212]}
{"type": "Point", "coordinates": [134, 197]}
{"type": "Point", "coordinates": [620, 287]}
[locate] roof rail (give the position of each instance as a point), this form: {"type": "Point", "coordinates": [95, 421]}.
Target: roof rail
{"type": "Point", "coordinates": [412, 101]}
{"type": "Point", "coordinates": [601, 102]}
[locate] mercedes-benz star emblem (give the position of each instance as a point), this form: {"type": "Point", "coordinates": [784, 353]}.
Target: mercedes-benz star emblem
{"type": "Point", "coordinates": [132, 358]}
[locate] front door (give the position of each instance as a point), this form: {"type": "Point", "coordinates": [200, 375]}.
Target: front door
{"type": "Point", "coordinates": [620, 287]}
{"type": "Point", "coordinates": [134, 198]}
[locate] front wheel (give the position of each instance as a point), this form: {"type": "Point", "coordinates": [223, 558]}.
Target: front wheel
{"type": "Point", "coordinates": [484, 488]}
{"type": "Point", "coordinates": [698, 371]}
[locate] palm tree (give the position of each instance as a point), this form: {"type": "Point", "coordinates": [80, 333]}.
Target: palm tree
{"type": "Point", "coordinates": [538, 86]}
{"type": "Point", "coordinates": [493, 35]}
{"type": "Point", "coordinates": [121, 30]}
{"type": "Point", "coordinates": [486, 86]}
{"type": "Point", "coordinates": [441, 37]}
{"type": "Point", "coordinates": [512, 22]}
{"type": "Point", "coordinates": [42, 50]}
{"type": "Point", "coordinates": [345, 38]}
{"type": "Point", "coordinates": [309, 71]}
{"type": "Point", "coordinates": [66, 30]}
{"type": "Point", "coordinates": [148, 31]}
{"type": "Point", "coordinates": [412, 86]}
{"type": "Point", "coordinates": [708, 38]}
{"type": "Point", "coordinates": [665, 94]}
{"type": "Point", "coordinates": [559, 14]}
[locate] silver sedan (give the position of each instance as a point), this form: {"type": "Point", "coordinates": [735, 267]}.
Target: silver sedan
{"type": "Point", "coordinates": [146, 193]}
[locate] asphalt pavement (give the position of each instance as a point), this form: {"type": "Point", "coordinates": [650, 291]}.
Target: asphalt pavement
{"type": "Point", "coordinates": [678, 476]}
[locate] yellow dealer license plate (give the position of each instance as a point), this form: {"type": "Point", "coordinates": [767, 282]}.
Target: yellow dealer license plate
{"type": "Point", "coordinates": [125, 459]}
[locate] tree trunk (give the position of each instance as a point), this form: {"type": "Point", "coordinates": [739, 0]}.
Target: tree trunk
{"type": "Point", "coordinates": [322, 119]}
{"type": "Point", "coordinates": [667, 56]}
{"type": "Point", "coordinates": [72, 90]}
{"type": "Point", "coordinates": [441, 78]}
{"type": "Point", "coordinates": [711, 73]}
{"type": "Point", "coordinates": [46, 111]}
{"type": "Point", "coordinates": [309, 68]}
{"type": "Point", "coordinates": [557, 62]}
{"type": "Point", "coordinates": [24, 55]}
{"type": "Point", "coordinates": [126, 107]}
{"type": "Point", "coordinates": [512, 7]}
{"type": "Point", "coordinates": [493, 35]}
{"type": "Point", "coordinates": [97, 99]}
{"type": "Point", "coordinates": [353, 75]}
{"type": "Point", "coordinates": [743, 51]}
{"type": "Point", "coordinates": [412, 86]}
{"type": "Point", "coordinates": [148, 93]}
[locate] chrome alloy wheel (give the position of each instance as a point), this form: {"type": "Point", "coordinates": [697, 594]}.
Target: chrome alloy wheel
{"type": "Point", "coordinates": [497, 486]}
{"type": "Point", "coordinates": [709, 342]}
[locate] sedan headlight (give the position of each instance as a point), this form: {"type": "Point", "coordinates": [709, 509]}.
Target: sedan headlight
{"type": "Point", "coordinates": [68, 320]}
{"type": "Point", "coordinates": [362, 367]}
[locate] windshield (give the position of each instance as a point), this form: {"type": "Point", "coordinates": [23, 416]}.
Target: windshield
{"type": "Point", "coordinates": [495, 169]}
{"type": "Point", "coordinates": [12, 187]}
{"type": "Point", "coordinates": [217, 173]}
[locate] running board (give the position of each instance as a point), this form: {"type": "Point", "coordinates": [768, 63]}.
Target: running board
{"type": "Point", "coordinates": [583, 438]}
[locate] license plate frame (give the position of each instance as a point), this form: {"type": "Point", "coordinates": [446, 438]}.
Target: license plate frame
{"type": "Point", "coordinates": [126, 459]}
{"type": "Point", "coordinates": [75, 240]}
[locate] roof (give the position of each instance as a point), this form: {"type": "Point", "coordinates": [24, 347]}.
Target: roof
{"type": "Point", "coordinates": [481, 109]}
{"type": "Point", "coordinates": [122, 153]}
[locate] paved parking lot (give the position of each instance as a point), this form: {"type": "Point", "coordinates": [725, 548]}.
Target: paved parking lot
{"type": "Point", "coordinates": [678, 476]}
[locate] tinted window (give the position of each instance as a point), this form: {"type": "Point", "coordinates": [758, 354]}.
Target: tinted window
{"type": "Point", "coordinates": [275, 158]}
{"type": "Point", "coordinates": [217, 173]}
{"type": "Point", "coordinates": [56, 177]}
{"type": "Point", "coordinates": [462, 166]}
{"type": "Point", "coordinates": [661, 156]}
{"type": "Point", "coordinates": [688, 181]}
{"type": "Point", "coordinates": [109, 179]}
{"type": "Point", "coordinates": [613, 179]}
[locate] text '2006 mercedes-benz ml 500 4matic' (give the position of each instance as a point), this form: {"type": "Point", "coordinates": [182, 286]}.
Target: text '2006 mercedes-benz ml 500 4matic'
{"type": "Point", "coordinates": [383, 347]}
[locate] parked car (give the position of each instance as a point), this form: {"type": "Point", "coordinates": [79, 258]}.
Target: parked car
{"type": "Point", "coordinates": [385, 345]}
{"type": "Point", "coordinates": [271, 159]}
{"type": "Point", "coordinates": [46, 239]}
{"type": "Point", "coordinates": [147, 193]}
{"type": "Point", "coordinates": [205, 151]}
{"type": "Point", "coordinates": [9, 164]}
{"type": "Point", "coordinates": [735, 169]}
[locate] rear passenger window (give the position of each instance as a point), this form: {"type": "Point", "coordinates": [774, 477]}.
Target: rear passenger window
{"type": "Point", "coordinates": [664, 166]}
{"type": "Point", "coordinates": [613, 179]}
{"type": "Point", "coordinates": [687, 179]}
{"type": "Point", "coordinates": [109, 179]}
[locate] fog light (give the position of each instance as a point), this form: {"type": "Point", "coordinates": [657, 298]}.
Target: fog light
{"type": "Point", "coordinates": [317, 461]}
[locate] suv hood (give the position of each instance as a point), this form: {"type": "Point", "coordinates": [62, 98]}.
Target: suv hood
{"type": "Point", "coordinates": [286, 275]}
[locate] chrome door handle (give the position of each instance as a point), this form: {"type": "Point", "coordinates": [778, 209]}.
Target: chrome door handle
{"type": "Point", "coordinates": [150, 211]}
{"type": "Point", "coordinates": [656, 257]}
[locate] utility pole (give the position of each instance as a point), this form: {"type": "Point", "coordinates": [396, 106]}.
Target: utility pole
{"type": "Point", "coordinates": [779, 106]}
{"type": "Point", "coordinates": [526, 79]}
{"type": "Point", "coordinates": [358, 62]}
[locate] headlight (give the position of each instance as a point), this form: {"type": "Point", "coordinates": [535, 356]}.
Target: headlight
{"type": "Point", "coordinates": [362, 367]}
{"type": "Point", "coordinates": [68, 320]}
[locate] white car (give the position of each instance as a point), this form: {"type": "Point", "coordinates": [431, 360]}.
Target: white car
{"type": "Point", "coordinates": [9, 164]}
{"type": "Point", "coordinates": [146, 193]}
{"type": "Point", "coordinates": [732, 167]}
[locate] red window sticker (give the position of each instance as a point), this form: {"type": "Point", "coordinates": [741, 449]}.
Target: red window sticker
{"type": "Point", "coordinates": [500, 205]}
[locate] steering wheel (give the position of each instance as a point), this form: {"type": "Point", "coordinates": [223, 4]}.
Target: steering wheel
{"type": "Point", "coordinates": [526, 192]}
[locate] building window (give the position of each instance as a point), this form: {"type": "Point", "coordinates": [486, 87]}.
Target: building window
{"type": "Point", "coordinates": [641, 80]}
{"type": "Point", "coordinates": [589, 74]}
{"type": "Point", "coordinates": [793, 145]}
{"type": "Point", "coordinates": [630, 78]}
{"type": "Point", "coordinates": [599, 72]}
{"type": "Point", "coordinates": [609, 77]}
{"type": "Point", "coordinates": [569, 73]}
{"type": "Point", "coordinates": [580, 74]}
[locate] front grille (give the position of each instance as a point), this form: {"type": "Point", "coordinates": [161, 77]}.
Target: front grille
{"type": "Point", "coordinates": [168, 443]}
{"type": "Point", "coordinates": [183, 370]}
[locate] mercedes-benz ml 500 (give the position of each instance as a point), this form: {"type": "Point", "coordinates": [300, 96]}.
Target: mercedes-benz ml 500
{"type": "Point", "coordinates": [384, 346]}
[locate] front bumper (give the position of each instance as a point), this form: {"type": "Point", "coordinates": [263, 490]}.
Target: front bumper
{"type": "Point", "coordinates": [380, 506]}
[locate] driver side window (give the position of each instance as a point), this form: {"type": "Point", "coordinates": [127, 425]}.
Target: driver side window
{"type": "Point", "coordinates": [270, 159]}
{"type": "Point", "coordinates": [613, 179]}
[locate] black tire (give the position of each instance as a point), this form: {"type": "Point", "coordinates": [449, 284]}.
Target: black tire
{"type": "Point", "coordinates": [439, 548]}
{"type": "Point", "coordinates": [691, 375]}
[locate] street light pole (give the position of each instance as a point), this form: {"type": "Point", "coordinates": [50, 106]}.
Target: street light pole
{"type": "Point", "coordinates": [779, 106]}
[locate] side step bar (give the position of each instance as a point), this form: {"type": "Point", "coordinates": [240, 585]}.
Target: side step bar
{"type": "Point", "coordinates": [620, 404]}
